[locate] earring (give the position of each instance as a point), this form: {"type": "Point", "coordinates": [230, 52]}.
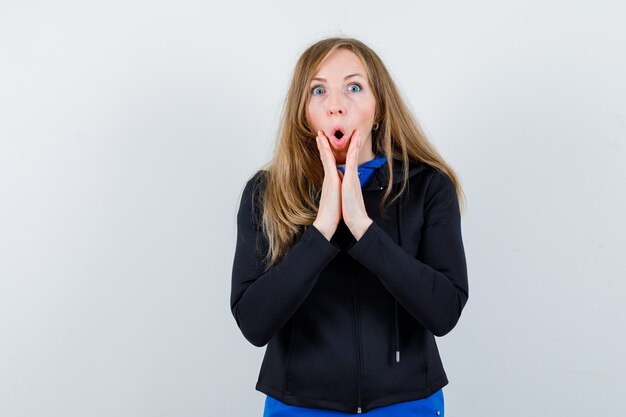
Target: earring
{"type": "Point", "coordinates": [375, 126]}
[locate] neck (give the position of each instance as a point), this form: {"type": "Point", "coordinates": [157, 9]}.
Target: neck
{"type": "Point", "coordinates": [363, 158]}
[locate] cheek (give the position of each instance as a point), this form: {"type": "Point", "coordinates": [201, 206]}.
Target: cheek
{"type": "Point", "coordinates": [368, 111]}
{"type": "Point", "coordinates": [313, 117]}
{"type": "Point", "coordinates": [367, 108]}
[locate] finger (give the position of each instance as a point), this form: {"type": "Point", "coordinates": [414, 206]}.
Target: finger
{"type": "Point", "coordinates": [353, 153]}
{"type": "Point", "coordinates": [325, 141]}
{"type": "Point", "coordinates": [326, 154]}
{"type": "Point", "coordinates": [329, 152]}
{"type": "Point", "coordinates": [355, 159]}
{"type": "Point", "coordinates": [322, 150]}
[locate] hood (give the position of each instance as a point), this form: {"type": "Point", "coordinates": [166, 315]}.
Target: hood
{"type": "Point", "coordinates": [381, 177]}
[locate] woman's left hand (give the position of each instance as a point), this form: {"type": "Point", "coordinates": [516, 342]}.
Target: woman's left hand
{"type": "Point", "coordinates": [352, 204]}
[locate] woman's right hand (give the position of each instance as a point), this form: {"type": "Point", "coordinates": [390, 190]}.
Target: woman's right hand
{"type": "Point", "coordinates": [329, 211]}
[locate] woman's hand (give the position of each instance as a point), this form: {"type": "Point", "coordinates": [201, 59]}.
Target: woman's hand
{"type": "Point", "coordinates": [352, 204]}
{"type": "Point", "coordinates": [329, 212]}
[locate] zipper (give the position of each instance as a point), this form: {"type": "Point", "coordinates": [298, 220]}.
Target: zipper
{"type": "Point", "coordinates": [372, 187]}
{"type": "Point", "coordinates": [358, 339]}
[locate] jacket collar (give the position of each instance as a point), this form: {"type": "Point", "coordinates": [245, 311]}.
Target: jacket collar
{"type": "Point", "coordinates": [381, 177]}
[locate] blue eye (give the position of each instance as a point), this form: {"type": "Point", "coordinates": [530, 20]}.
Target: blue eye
{"type": "Point", "coordinates": [316, 88]}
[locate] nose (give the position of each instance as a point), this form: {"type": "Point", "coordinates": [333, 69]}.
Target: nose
{"type": "Point", "coordinates": [336, 105]}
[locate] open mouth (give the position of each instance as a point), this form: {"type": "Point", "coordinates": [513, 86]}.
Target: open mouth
{"type": "Point", "coordinates": [338, 132]}
{"type": "Point", "coordinates": [339, 137]}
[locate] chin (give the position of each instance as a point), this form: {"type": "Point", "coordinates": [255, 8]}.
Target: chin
{"type": "Point", "coordinates": [340, 159]}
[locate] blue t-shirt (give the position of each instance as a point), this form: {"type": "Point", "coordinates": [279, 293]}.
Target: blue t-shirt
{"type": "Point", "coordinates": [426, 407]}
{"type": "Point", "coordinates": [366, 169]}
{"type": "Point", "coordinates": [431, 406]}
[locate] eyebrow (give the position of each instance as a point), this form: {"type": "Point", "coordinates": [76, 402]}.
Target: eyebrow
{"type": "Point", "coordinates": [347, 76]}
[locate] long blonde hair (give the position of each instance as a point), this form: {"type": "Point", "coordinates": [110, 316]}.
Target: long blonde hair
{"type": "Point", "coordinates": [294, 176]}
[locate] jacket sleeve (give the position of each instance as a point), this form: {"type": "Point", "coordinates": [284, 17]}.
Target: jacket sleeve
{"type": "Point", "coordinates": [433, 286]}
{"type": "Point", "coordinates": [262, 301]}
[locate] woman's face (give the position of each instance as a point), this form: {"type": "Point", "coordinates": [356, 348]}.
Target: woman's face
{"type": "Point", "coordinates": [340, 100]}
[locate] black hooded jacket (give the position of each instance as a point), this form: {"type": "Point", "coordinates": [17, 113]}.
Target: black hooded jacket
{"type": "Point", "coordinates": [350, 325]}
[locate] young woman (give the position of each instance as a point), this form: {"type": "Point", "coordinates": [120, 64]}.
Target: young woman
{"type": "Point", "coordinates": [349, 255]}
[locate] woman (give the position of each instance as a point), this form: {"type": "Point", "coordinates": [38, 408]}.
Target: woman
{"type": "Point", "coordinates": [349, 250]}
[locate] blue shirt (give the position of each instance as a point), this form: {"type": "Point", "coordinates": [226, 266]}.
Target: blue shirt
{"type": "Point", "coordinates": [431, 406]}
{"type": "Point", "coordinates": [366, 169]}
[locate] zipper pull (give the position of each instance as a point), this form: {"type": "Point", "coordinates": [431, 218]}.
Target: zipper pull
{"type": "Point", "coordinates": [397, 356]}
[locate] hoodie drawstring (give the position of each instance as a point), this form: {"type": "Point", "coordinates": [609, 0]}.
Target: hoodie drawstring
{"type": "Point", "coordinates": [396, 329]}
{"type": "Point", "coordinates": [399, 219]}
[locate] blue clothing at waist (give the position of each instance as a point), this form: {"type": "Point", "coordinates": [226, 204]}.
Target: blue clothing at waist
{"type": "Point", "coordinates": [430, 406]}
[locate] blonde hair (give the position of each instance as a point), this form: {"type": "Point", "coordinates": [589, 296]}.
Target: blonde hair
{"type": "Point", "coordinates": [294, 176]}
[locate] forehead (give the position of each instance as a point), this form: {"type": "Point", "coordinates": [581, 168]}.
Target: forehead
{"type": "Point", "coordinates": [339, 63]}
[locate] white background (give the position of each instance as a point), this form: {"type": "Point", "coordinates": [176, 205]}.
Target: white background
{"type": "Point", "coordinates": [128, 130]}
